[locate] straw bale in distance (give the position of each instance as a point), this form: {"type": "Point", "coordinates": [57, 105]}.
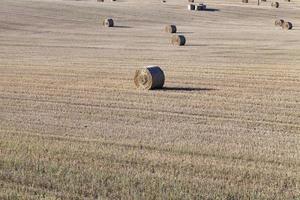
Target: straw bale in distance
{"type": "Point", "coordinates": [287, 25]}
{"type": "Point", "coordinates": [108, 22]}
{"type": "Point", "coordinates": [279, 22]}
{"type": "Point", "coordinates": [178, 40]}
{"type": "Point", "coordinates": [275, 4]}
{"type": "Point", "coordinates": [170, 29]}
{"type": "Point", "coordinates": [150, 77]}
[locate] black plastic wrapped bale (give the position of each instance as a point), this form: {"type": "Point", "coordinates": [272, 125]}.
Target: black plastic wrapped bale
{"type": "Point", "coordinates": [149, 78]}
{"type": "Point", "coordinates": [108, 22]}
{"type": "Point", "coordinates": [178, 40]}
{"type": "Point", "coordinates": [170, 29]}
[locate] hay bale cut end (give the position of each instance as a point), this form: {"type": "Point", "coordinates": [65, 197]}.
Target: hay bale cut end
{"type": "Point", "coordinates": [108, 22]}
{"type": "Point", "coordinates": [149, 78]}
{"type": "Point", "coordinates": [287, 25]}
{"type": "Point", "coordinates": [279, 22]}
{"type": "Point", "coordinates": [191, 7]}
{"type": "Point", "coordinates": [178, 40]}
{"type": "Point", "coordinates": [170, 29]}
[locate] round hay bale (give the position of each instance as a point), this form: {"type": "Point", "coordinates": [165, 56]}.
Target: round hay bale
{"type": "Point", "coordinates": [275, 4]}
{"type": "Point", "coordinates": [170, 29]}
{"type": "Point", "coordinates": [108, 22]}
{"type": "Point", "coordinates": [150, 77]}
{"type": "Point", "coordinates": [191, 7]}
{"type": "Point", "coordinates": [178, 40]}
{"type": "Point", "coordinates": [279, 22]}
{"type": "Point", "coordinates": [287, 25]}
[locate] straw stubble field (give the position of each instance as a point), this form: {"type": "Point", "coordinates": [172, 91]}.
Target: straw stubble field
{"type": "Point", "coordinates": [72, 125]}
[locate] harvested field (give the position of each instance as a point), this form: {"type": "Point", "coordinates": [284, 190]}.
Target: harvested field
{"type": "Point", "coordinates": [73, 125]}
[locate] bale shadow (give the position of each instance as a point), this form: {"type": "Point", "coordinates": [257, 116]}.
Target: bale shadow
{"type": "Point", "coordinates": [182, 32]}
{"type": "Point", "coordinates": [187, 89]}
{"type": "Point", "coordinates": [196, 45]}
{"type": "Point", "coordinates": [122, 27]}
{"type": "Point", "coordinates": [211, 9]}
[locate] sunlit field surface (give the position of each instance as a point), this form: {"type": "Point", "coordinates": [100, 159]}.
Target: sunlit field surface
{"type": "Point", "coordinates": [73, 125]}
